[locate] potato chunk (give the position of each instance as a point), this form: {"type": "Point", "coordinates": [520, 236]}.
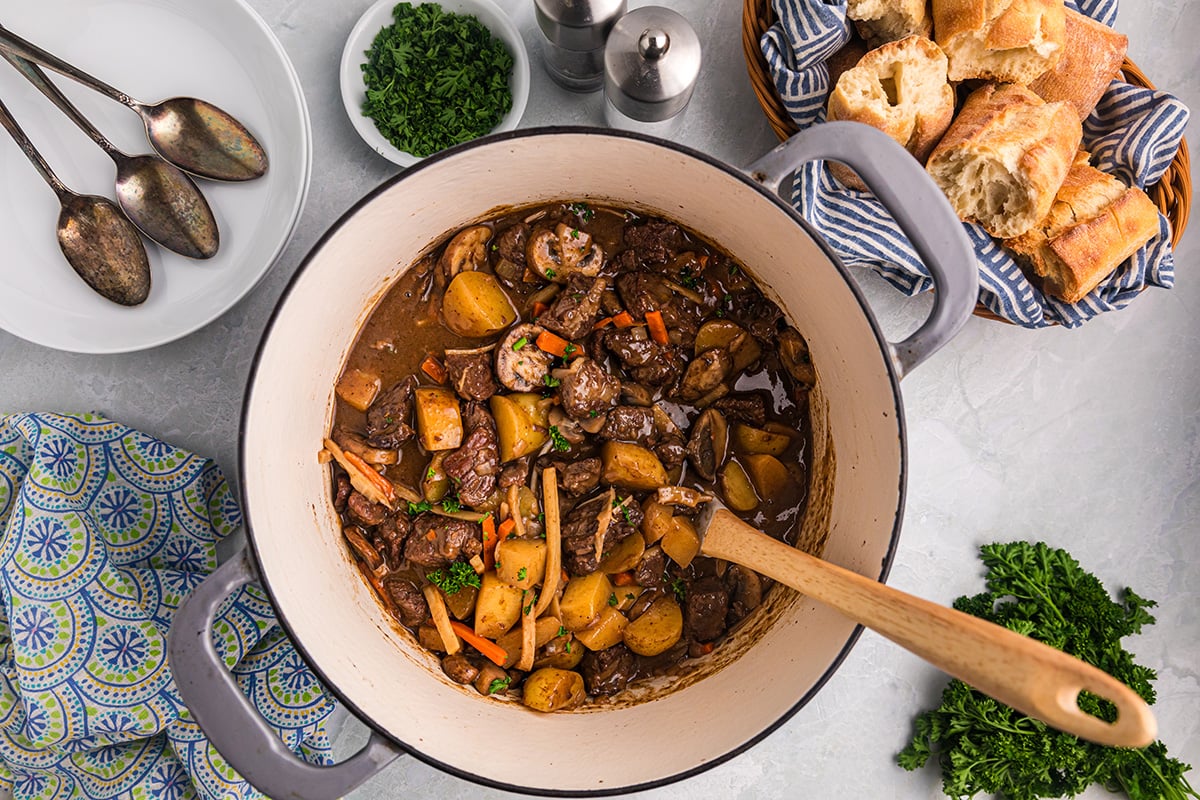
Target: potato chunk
{"type": "Point", "coordinates": [657, 629]}
{"type": "Point", "coordinates": [439, 422]}
{"type": "Point", "coordinates": [521, 562]}
{"type": "Point", "coordinates": [475, 305]}
{"type": "Point", "coordinates": [358, 388]}
{"type": "Point", "coordinates": [608, 630]}
{"type": "Point", "coordinates": [498, 606]}
{"type": "Point", "coordinates": [551, 689]}
{"type": "Point", "coordinates": [518, 434]}
{"type": "Point", "coordinates": [583, 598]}
{"type": "Point", "coordinates": [631, 466]}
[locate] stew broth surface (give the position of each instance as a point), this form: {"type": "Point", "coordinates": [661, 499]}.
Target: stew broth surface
{"type": "Point", "coordinates": [633, 357]}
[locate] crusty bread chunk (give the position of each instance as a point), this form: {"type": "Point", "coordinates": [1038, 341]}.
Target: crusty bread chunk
{"type": "Point", "coordinates": [1005, 156]}
{"type": "Point", "coordinates": [1095, 223]}
{"type": "Point", "coordinates": [901, 89]}
{"type": "Point", "coordinates": [1091, 58]}
{"type": "Point", "coordinates": [883, 21]}
{"type": "Point", "coordinates": [999, 40]}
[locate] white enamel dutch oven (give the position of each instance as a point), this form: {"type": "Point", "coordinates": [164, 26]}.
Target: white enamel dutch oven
{"type": "Point", "coordinates": [751, 684]}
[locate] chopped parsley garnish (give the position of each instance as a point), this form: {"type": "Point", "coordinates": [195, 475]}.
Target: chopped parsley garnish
{"type": "Point", "coordinates": [733, 269]}
{"type": "Point", "coordinates": [570, 348]}
{"type": "Point", "coordinates": [687, 279]}
{"type": "Point", "coordinates": [521, 573]}
{"type": "Point", "coordinates": [679, 588]}
{"type": "Point", "coordinates": [434, 79]}
{"type": "Point", "coordinates": [451, 505]}
{"type": "Point", "coordinates": [575, 233]}
{"type": "Point", "coordinates": [499, 684]}
{"type": "Point", "coordinates": [561, 631]}
{"type": "Point", "coordinates": [583, 211]}
{"type": "Point", "coordinates": [558, 440]}
{"type": "Point", "coordinates": [612, 599]}
{"type": "Point", "coordinates": [551, 381]}
{"type": "Point", "coordinates": [568, 648]}
{"type": "Point", "coordinates": [593, 413]}
{"type": "Point", "coordinates": [452, 579]}
{"type": "Point", "coordinates": [431, 473]}
{"type": "Point", "coordinates": [550, 273]}
{"type": "Point", "coordinates": [417, 508]}
{"type": "Point", "coordinates": [519, 343]}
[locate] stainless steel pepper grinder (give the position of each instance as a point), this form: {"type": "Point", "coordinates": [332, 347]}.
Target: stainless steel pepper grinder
{"type": "Point", "coordinates": [575, 32]}
{"type": "Point", "coordinates": [651, 64]}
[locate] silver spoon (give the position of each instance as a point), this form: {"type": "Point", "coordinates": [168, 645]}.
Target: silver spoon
{"type": "Point", "coordinates": [192, 134]}
{"type": "Point", "coordinates": [158, 197]}
{"type": "Point", "coordinates": [100, 244]}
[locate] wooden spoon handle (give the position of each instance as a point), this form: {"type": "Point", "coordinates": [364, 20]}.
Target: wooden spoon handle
{"type": "Point", "coordinates": [1032, 677]}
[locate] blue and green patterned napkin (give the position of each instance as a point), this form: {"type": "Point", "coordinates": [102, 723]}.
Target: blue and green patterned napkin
{"type": "Point", "coordinates": [105, 532]}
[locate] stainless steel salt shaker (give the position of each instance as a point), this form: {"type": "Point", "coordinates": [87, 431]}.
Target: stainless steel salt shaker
{"type": "Point", "coordinates": [575, 32]}
{"type": "Point", "coordinates": [651, 63]}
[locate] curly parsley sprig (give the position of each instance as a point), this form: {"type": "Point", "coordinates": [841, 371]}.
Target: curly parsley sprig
{"type": "Point", "coordinates": [985, 747]}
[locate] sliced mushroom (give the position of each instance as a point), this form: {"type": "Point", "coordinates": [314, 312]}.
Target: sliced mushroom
{"type": "Point", "coordinates": [635, 394]}
{"type": "Point", "coordinates": [793, 352]}
{"type": "Point", "coordinates": [557, 254]}
{"type": "Point", "coordinates": [466, 251]}
{"type": "Point", "coordinates": [520, 364]}
{"type": "Point", "coordinates": [709, 443]}
{"type": "Point", "coordinates": [354, 443]}
{"type": "Point", "coordinates": [745, 592]}
{"type": "Point", "coordinates": [706, 372]}
{"type": "Point", "coordinates": [568, 428]}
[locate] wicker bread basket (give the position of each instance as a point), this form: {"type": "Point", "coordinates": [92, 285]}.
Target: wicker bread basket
{"type": "Point", "coordinates": [1172, 194]}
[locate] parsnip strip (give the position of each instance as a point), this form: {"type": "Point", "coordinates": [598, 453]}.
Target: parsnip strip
{"type": "Point", "coordinates": [553, 540]}
{"type": "Point", "coordinates": [441, 618]}
{"type": "Point", "coordinates": [602, 523]}
{"type": "Point", "coordinates": [528, 634]}
{"type": "Point", "coordinates": [514, 508]}
{"type": "Point", "coordinates": [363, 477]}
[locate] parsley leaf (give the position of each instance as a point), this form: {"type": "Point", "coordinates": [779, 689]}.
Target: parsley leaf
{"type": "Point", "coordinates": [499, 684]}
{"type": "Point", "coordinates": [434, 79]}
{"type": "Point", "coordinates": [559, 441]}
{"type": "Point", "coordinates": [551, 381]}
{"type": "Point", "coordinates": [985, 747]}
{"type": "Point", "coordinates": [452, 579]}
{"type": "Point", "coordinates": [451, 504]}
{"type": "Point", "coordinates": [417, 508]}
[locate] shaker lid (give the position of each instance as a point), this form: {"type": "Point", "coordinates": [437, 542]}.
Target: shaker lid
{"type": "Point", "coordinates": [651, 63]}
{"type": "Point", "coordinates": [578, 24]}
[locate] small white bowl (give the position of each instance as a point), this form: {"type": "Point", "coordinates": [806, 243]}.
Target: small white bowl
{"type": "Point", "coordinates": [378, 17]}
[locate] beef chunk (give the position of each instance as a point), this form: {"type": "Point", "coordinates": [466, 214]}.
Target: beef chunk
{"type": "Point", "coordinates": [748, 408]}
{"type": "Point", "coordinates": [651, 570]}
{"type": "Point", "coordinates": [573, 313]}
{"type": "Point", "coordinates": [473, 467]}
{"type": "Point", "coordinates": [671, 451]}
{"type": "Point", "coordinates": [630, 424]}
{"type": "Point", "coordinates": [436, 541]}
{"type": "Point", "coordinates": [608, 671]}
{"type": "Point", "coordinates": [706, 607]}
{"type": "Point", "coordinates": [578, 477]}
{"type": "Point", "coordinates": [647, 291]}
{"type": "Point", "coordinates": [363, 512]}
{"type": "Point", "coordinates": [587, 390]}
{"type": "Point", "coordinates": [579, 532]}
{"type": "Point", "coordinates": [646, 360]}
{"type": "Point", "coordinates": [390, 536]}
{"type": "Point", "coordinates": [471, 373]}
{"type": "Point", "coordinates": [341, 491]}
{"type": "Point", "coordinates": [387, 418]}
{"type": "Point", "coordinates": [409, 601]}
{"type": "Point", "coordinates": [515, 473]}
{"type": "Point", "coordinates": [654, 242]}
{"type": "Point", "coordinates": [510, 244]}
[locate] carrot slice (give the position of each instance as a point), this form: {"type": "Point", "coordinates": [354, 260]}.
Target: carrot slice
{"type": "Point", "coordinates": [604, 323]}
{"type": "Point", "coordinates": [372, 475]}
{"type": "Point", "coordinates": [433, 368]}
{"type": "Point", "coordinates": [706, 648]}
{"type": "Point", "coordinates": [489, 541]}
{"type": "Point", "coordinates": [492, 651]}
{"type": "Point", "coordinates": [623, 320]}
{"type": "Point", "coordinates": [554, 344]}
{"type": "Point", "coordinates": [506, 528]}
{"type": "Point", "coordinates": [658, 328]}
{"type": "Point", "coordinates": [539, 308]}
{"type": "Point", "coordinates": [623, 579]}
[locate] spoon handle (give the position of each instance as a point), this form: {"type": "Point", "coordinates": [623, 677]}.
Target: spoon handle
{"type": "Point", "coordinates": [38, 78]}
{"type": "Point", "coordinates": [1032, 677]}
{"type": "Point", "coordinates": [11, 43]}
{"type": "Point", "coordinates": [31, 152]}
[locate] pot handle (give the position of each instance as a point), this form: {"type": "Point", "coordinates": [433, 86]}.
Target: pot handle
{"type": "Point", "coordinates": [230, 720]}
{"type": "Point", "coordinates": [914, 201]}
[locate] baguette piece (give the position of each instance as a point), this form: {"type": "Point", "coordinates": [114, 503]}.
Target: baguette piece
{"type": "Point", "coordinates": [1005, 156]}
{"type": "Point", "coordinates": [1000, 40]}
{"type": "Point", "coordinates": [1096, 223]}
{"type": "Point", "coordinates": [901, 89]}
{"type": "Point", "coordinates": [883, 21]}
{"type": "Point", "coordinates": [1091, 58]}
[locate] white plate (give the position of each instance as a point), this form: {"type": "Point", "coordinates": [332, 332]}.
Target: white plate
{"type": "Point", "coordinates": [218, 50]}
{"type": "Point", "coordinates": [379, 16]}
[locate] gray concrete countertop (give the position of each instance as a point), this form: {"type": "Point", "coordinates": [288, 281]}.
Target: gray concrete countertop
{"type": "Point", "coordinates": [1086, 439]}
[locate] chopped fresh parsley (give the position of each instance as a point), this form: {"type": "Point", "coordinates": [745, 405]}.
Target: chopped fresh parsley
{"type": "Point", "coordinates": [583, 211]}
{"type": "Point", "coordinates": [568, 647]}
{"type": "Point", "coordinates": [679, 588]}
{"type": "Point", "coordinates": [612, 599]}
{"type": "Point", "coordinates": [519, 343]}
{"type": "Point", "coordinates": [561, 631]}
{"type": "Point", "coordinates": [452, 579]}
{"type": "Point", "coordinates": [551, 381]}
{"type": "Point", "coordinates": [687, 279]}
{"type": "Point", "coordinates": [593, 414]}
{"type": "Point", "coordinates": [451, 505]}
{"type": "Point", "coordinates": [558, 440]}
{"type": "Point", "coordinates": [431, 473]}
{"type": "Point", "coordinates": [434, 79]}
{"type": "Point", "coordinates": [521, 573]}
{"type": "Point", "coordinates": [985, 747]}
{"type": "Point", "coordinates": [550, 273]}
{"type": "Point", "coordinates": [570, 348]}
{"type": "Point", "coordinates": [499, 684]}
{"type": "Point", "coordinates": [575, 233]}
{"type": "Point", "coordinates": [417, 508]}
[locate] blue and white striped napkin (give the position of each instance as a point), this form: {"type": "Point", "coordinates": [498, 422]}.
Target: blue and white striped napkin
{"type": "Point", "coordinates": [1134, 134]}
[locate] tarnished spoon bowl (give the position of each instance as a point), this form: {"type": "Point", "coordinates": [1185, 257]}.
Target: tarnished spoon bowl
{"type": "Point", "coordinates": [165, 204]}
{"type": "Point", "coordinates": [103, 248]}
{"type": "Point", "coordinates": [203, 139]}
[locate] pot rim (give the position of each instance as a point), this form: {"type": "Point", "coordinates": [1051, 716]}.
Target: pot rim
{"type": "Point", "coordinates": [550, 130]}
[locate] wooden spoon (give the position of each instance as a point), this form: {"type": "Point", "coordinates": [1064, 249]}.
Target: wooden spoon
{"type": "Point", "coordinates": [1032, 677]}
